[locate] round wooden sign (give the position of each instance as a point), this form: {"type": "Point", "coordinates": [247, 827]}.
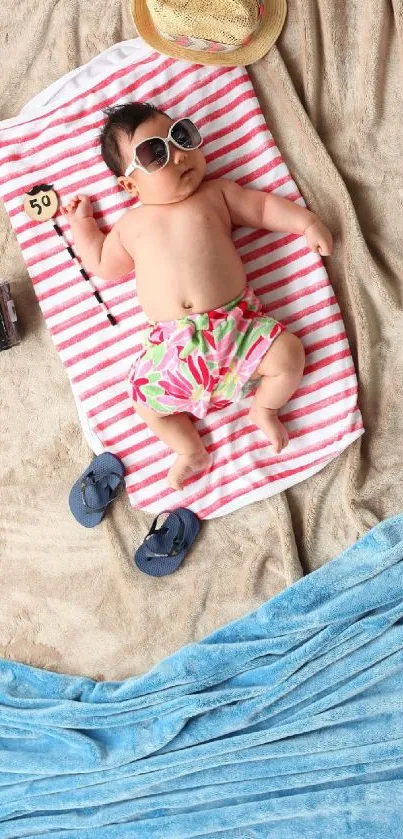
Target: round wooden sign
{"type": "Point", "coordinates": [41, 202]}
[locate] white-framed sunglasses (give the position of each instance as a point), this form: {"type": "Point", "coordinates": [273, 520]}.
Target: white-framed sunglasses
{"type": "Point", "coordinates": [153, 154]}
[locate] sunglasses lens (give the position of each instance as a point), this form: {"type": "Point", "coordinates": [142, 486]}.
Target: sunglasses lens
{"type": "Point", "coordinates": [152, 154]}
{"type": "Point", "coordinates": [185, 134]}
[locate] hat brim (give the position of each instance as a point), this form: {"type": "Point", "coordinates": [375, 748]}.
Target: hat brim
{"type": "Point", "coordinates": [259, 44]}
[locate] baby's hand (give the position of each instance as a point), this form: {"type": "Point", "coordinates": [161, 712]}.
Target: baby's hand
{"type": "Point", "coordinates": [80, 207]}
{"type": "Point", "coordinates": [319, 238]}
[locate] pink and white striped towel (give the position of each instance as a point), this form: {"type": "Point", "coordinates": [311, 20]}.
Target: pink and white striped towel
{"type": "Point", "coordinates": [55, 140]}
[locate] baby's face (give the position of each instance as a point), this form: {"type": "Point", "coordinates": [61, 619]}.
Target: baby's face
{"type": "Point", "coordinates": [174, 182]}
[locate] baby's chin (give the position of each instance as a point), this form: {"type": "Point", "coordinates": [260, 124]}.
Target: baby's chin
{"type": "Point", "coordinates": [186, 186]}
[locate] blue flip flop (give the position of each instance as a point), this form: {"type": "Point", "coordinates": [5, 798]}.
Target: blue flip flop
{"type": "Point", "coordinates": [164, 548]}
{"type": "Point", "coordinates": [96, 488]}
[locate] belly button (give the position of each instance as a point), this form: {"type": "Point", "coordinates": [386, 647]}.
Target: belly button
{"type": "Point", "coordinates": [188, 305]}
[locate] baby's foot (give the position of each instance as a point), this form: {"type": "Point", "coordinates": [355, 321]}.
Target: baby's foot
{"type": "Point", "coordinates": [267, 420]}
{"type": "Point", "coordinates": [187, 465]}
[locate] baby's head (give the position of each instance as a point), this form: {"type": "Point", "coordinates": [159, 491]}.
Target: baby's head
{"type": "Point", "coordinates": [142, 169]}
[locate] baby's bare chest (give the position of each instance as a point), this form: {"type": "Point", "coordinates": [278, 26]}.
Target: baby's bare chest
{"type": "Point", "coordinates": [189, 226]}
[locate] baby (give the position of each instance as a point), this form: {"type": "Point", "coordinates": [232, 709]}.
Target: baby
{"type": "Point", "coordinates": [208, 340]}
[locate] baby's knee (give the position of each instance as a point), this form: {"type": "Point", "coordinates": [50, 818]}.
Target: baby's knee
{"type": "Point", "coordinates": [286, 355]}
{"type": "Point", "coordinates": [293, 352]}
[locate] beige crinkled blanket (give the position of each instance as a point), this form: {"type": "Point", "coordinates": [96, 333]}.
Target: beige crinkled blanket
{"type": "Point", "coordinates": [331, 90]}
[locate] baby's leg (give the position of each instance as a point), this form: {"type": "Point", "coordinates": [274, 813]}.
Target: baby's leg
{"type": "Point", "coordinates": [281, 370]}
{"type": "Point", "coordinates": [179, 433]}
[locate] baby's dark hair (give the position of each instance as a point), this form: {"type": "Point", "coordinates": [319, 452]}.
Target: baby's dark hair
{"type": "Point", "coordinates": [122, 119]}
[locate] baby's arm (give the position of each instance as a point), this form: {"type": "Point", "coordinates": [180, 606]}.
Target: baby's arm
{"type": "Point", "coordinates": [253, 208]}
{"type": "Point", "coordinates": [103, 255]}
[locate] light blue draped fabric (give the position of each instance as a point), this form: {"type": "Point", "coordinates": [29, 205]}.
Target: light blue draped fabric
{"type": "Point", "coordinates": [285, 724]}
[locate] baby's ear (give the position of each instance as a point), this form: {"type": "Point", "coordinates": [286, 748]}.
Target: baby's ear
{"type": "Point", "coordinates": [128, 185]}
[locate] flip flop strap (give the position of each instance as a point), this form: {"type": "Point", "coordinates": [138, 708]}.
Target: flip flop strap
{"type": "Point", "coordinates": [177, 540]}
{"type": "Point", "coordinates": [91, 480]}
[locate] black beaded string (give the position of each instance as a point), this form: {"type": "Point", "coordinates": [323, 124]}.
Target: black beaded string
{"type": "Point", "coordinates": [84, 274]}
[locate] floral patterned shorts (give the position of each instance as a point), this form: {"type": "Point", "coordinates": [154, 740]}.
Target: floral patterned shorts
{"type": "Point", "coordinates": [203, 361]}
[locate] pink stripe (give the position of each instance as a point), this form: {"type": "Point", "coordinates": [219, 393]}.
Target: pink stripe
{"type": "Point", "coordinates": [50, 272]}
{"type": "Point", "coordinates": [310, 310]}
{"type": "Point", "coordinates": [222, 421]}
{"type": "Point", "coordinates": [103, 345]}
{"type": "Point", "coordinates": [92, 330]}
{"type": "Point", "coordinates": [93, 143]}
{"type": "Point", "coordinates": [68, 323]}
{"type": "Point", "coordinates": [42, 146]}
{"type": "Point", "coordinates": [34, 260]}
{"type": "Point", "coordinates": [257, 484]}
{"type": "Point", "coordinates": [103, 365]}
{"type": "Point", "coordinates": [228, 420]}
{"type": "Point", "coordinates": [78, 186]}
{"type": "Point", "coordinates": [51, 292]}
{"type": "Point", "coordinates": [231, 457]}
{"type": "Point", "coordinates": [80, 298]}
{"type": "Point", "coordinates": [115, 380]}
{"type": "Point", "coordinates": [309, 389]}
{"type": "Point", "coordinates": [154, 457]}
{"type": "Point", "coordinates": [40, 237]}
{"type": "Point", "coordinates": [291, 298]}
{"type": "Point", "coordinates": [127, 412]}
{"type": "Point", "coordinates": [318, 386]}
{"type": "Point", "coordinates": [326, 342]}
{"type": "Point", "coordinates": [110, 403]}
{"type": "Point", "coordinates": [82, 334]}
{"type": "Point", "coordinates": [264, 463]}
{"type": "Point", "coordinates": [241, 141]}
{"type": "Point", "coordinates": [230, 107]}
{"type": "Point", "coordinates": [60, 158]}
{"type": "Point", "coordinates": [214, 97]}
{"type": "Point", "coordinates": [270, 286]}
{"type": "Point", "coordinates": [242, 433]}
{"type": "Point", "coordinates": [73, 321]}
{"type": "Point", "coordinates": [285, 260]}
{"type": "Point", "coordinates": [66, 171]}
{"type": "Point", "coordinates": [289, 417]}
{"type": "Point", "coordinates": [267, 247]}
{"type": "Point", "coordinates": [238, 493]}
{"type": "Point", "coordinates": [67, 304]}
{"type": "Point", "coordinates": [77, 338]}
{"type": "Point", "coordinates": [188, 71]}
{"type": "Point", "coordinates": [293, 434]}
{"type": "Point", "coordinates": [319, 324]}
{"type": "Point", "coordinates": [86, 93]}
{"type": "Point", "coordinates": [263, 170]}
{"type": "Point", "coordinates": [238, 123]}
{"type": "Point", "coordinates": [246, 158]}
{"type": "Point", "coordinates": [106, 383]}
{"type": "Point", "coordinates": [328, 380]}
{"type": "Point", "coordinates": [242, 241]}
{"type": "Point", "coordinates": [215, 74]}
{"type": "Point", "coordinates": [259, 464]}
{"type": "Point", "coordinates": [100, 105]}
{"type": "Point", "coordinates": [110, 442]}
{"type": "Point", "coordinates": [126, 353]}
{"type": "Point", "coordinates": [330, 359]}
{"type": "Point", "coordinates": [319, 406]}
{"type": "Point", "coordinates": [229, 87]}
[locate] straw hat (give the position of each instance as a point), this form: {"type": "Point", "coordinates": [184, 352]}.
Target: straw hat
{"type": "Point", "coordinates": [227, 32]}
